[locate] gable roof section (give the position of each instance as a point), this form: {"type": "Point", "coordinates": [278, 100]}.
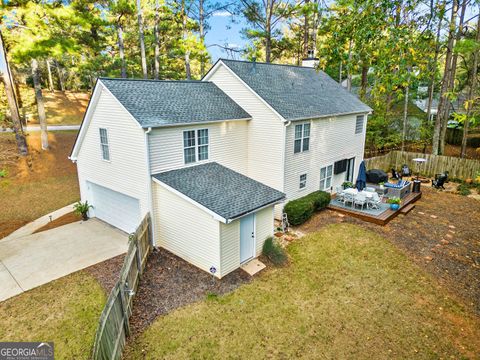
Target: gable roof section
{"type": "Point", "coordinates": [220, 190]}
{"type": "Point", "coordinates": [297, 92]}
{"type": "Point", "coordinates": [156, 103]}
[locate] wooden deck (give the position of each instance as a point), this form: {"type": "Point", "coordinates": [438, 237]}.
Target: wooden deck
{"type": "Point", "coordinates": [384, 217]}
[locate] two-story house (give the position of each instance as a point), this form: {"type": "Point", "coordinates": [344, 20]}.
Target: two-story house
{"type": "Point", "coordinates": [213, 160]}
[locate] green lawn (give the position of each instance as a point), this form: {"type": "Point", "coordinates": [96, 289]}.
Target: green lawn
{"type": "Point", "coordinates": [65, 311]}
{"type": "Point", "coordinates": [348, 293]}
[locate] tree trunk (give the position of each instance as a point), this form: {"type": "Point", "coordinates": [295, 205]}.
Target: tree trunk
{"type": "Point", "coordinates": [451, 81]}
{"type": "Point", "coordinates": [50, 80]}
{"type": "Point", "coordinates": [364, 83]}
{"type": "Point", "coordinates": [268, 30]}
{"type": "Point", "coordinates": [340, 73]}
{"type": "Point", "coordinates": [405, 114]}
{"type": "Point", "coordinates": [60, 76]}
{"type": "Point", "coordinates": [349, 71]}
{"type": "Point", "coordinates": [305, 32]}
{"type": "Point", "coordinates": [188, 71]}
{"type": "Point", "coordinates": [40, 106]}
{"type": "Point", "coordinates": [471, 93]}
{"type": "Point", "coordinates": [121, 50]}
{"type": "Point", "coordinates": [315, 22]}
{"type": "Point", "coordinates": [443, 102]}
{"type": "Point", "coordinates": [431, 86]}
{"type": "Point", "coordinates": [156, 32]}
{"type": "Point", "coordinates": [142, 39]}
{"type": "Point", "coordinates": [201, 24]}
{"type": "Point", "coordinates": [12, 104]}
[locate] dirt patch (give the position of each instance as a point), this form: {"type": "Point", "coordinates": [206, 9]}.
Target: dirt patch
{"type": "Point", "coordinates": [37, 184]}
{"type": "Point", "coordinates": [107, 272]}
{"type": "Point", "coordinates": [441, 235]}
{"type": "Point", "coordinates": [62, 220]}
{"type": "Point", "coordinates": [170, 282]}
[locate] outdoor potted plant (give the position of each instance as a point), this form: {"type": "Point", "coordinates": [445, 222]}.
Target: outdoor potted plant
{"type": "Point", "coordinates": [82, 209]}
{"type": "Point", "coordinates": [347, 185]}
{"type": "Point", "coordinates": [394, 203]}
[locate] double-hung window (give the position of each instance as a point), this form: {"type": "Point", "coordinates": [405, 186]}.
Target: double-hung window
{"type": "Point", "coordinates": [359, 124]}
{"type": "Point", "coordinates": [104, 144]}
{"type": "Point", "coordinates": [326, 177]}
{"type": "Point", "coordinates": [303, 181]}
{"type": "Point", "coordinates": [302, 138]}
{"type": "Point", "coordinates": [195, 145]}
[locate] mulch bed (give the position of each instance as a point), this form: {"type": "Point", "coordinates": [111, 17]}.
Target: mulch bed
{"type": "Point", "coordinates": [62, 220]}
{"type": "Point", "coordinates": [107, 272]}
{"type": "Point", "coordinates": [441, 235]}
{"type": "Point", "coordinates": [170, 282]}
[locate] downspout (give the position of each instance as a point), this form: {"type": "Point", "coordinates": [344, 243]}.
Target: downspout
{"type": "Point", "coordinates": [149, 184]}
{"type": "Point", "coordinates": [284, 153]}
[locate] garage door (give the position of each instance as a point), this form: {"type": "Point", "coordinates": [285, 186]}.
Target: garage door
{"type": "Point", "coordinates": [117, 209]}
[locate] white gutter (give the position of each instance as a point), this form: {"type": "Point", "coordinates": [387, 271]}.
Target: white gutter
{"type": "Point", "coordinates": [149, 184]}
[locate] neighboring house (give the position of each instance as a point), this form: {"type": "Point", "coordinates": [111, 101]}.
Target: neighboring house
{"type": "Point", "coordinates": [212, 160]}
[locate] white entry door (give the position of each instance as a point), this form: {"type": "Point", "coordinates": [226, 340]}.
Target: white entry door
{"type": "Point", "coordinates": [117, 209]}
{"type": "Point", "coordinates": [247, 237]}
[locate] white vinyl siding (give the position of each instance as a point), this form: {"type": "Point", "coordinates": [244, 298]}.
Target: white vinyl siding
{"type": "Point", "coordinates": [186, 230]}
{"type": "Point", "coordinates": [127, 173]}
{"type": "Point", "coordinates": [359, 124]}
{"type": "Point", "coordinates": [331, 139]}
{"type": "Point", "coordinates": [226, 145]}
{"type": "Point", "coordinates": [229, 246]}
{"type": "Point", "coordinates": [302, 138]}
{"type": "Point", "coordinates": [264, 224]}
{"type": "Point", "coordinates": [266, 139]}
{"type": "Point", "coordinates": [104, 144]}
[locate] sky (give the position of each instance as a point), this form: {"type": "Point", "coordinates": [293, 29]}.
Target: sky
{"type": "Point", "coordinates": [225, 33]}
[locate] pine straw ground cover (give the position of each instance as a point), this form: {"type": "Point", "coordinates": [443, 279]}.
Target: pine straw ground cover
{"type": "Point", "coordinates": [38, 184]}
{"type": "Point", "coordinates": [65, 311]}
{"type": "Point", "coordinates": [441, 235]}
{"type": "Point", "coordinates": [347, 293]}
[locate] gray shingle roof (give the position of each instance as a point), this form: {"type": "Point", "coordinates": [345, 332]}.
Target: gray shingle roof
{"type": "Point", "coordinates": [297, 92]}
{"type": "Point", "coordinates": [220, 189]}
{"type": "Point", "coordinates": [156, 103]}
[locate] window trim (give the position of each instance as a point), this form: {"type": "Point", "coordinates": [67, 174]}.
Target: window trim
{"type": "Point", "coordinates": [302, 137]}
{"type": "Point", "coordinates": [300, 187]}
{"type": "Point", "coordinates": [107, 144]}
{"type": "Point", "coordinates": [196, 146]}
{"type": "Point", "coordinates": [363, 124]}
{"type": "Point", "coordinates": [326, 177]}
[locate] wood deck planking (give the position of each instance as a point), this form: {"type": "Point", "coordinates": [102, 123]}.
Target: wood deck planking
{"type": "Point", "coordinates": [384, 217]}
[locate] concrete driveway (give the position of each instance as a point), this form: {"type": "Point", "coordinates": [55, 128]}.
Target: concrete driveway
{"type": "Point", "coordinates": [37, 259]}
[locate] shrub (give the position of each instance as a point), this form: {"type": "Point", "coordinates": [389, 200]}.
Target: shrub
{"type": "Point", "coordinates": [274, 252]}
{"type": "Point", "coordinates": [300, 210]}
{"type": "Point", "coordinates": [320, 199]}
{"type": "Point", "coordinates": [464, 189]}
{"type": "Point", "coordinates": [82, 209]}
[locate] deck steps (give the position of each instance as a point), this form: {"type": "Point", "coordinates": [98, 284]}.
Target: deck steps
{"type": "Point", "coordinates": [406, 209]}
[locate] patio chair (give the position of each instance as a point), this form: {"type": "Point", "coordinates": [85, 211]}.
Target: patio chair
{"type": "Point", "coordinates": [375, 201]}
{"type": "Point", "coordinates": [360, 199]}
{"type": "Point", "coordinates": [348, 198]}
{"type": "Point", "coordinates": [339, 194]}
{"type": "Point", "coordinates": [406, 170]}
{"type": "Point", "coordinates": [440, 180]}
{"type": "Point", "coordinates": [396, 175]}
